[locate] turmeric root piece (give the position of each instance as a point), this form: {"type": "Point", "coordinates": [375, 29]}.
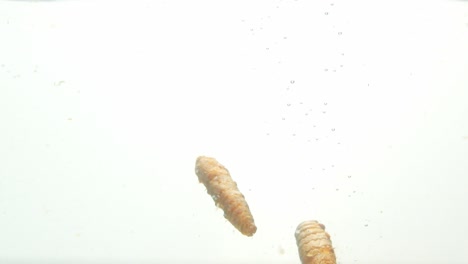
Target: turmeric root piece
{"type": "Point", "coordinates": [314, 244]}
{"type": "Point", "coordinates": [226, 195]}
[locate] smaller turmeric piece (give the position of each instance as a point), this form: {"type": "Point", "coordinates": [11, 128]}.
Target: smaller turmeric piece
{"type": "Point", "coordinates": [223, 189]}
{"type": "Point", "coordinates": [314, 243]}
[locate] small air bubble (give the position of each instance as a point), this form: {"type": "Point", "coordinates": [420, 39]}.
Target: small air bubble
{"type": "Point", "coordinates": [324, 112]}
{"type": "Point", "coordinates": [366, 225]}
{"type": "Point", "coordinates": [337, 189]}
{"type": "Point", "coordinates": [292, 81]}
{"type": "Point", "coordinates": [349, 176]}
{"type": "Point", "coordinates": [332, 129]}
{"type": "Point", "coordinates": [340, 33]}
{"type": "Point", "coordinates": [288, 104]}
{"type": "Point", "coordinates": [326, 13]}
{"type": "Point", "coordinates": [284, 118]}
{"type": "Point", "coordinates": [325, 103]}
{"type": "Point", "coordinates": [281, 250]}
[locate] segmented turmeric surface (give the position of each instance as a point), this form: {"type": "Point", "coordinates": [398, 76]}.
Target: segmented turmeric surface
{"type": "Point", "coordinates": [314, 244]}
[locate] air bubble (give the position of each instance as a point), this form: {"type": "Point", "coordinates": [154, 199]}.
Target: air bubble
{"type": "Point", "coordinates": [292, 81]}
{"type": "Point", "coordinates": [215, 197]}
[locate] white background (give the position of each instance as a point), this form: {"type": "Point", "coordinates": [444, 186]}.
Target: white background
{"type": "Point", "coordinates": [353, 113]}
